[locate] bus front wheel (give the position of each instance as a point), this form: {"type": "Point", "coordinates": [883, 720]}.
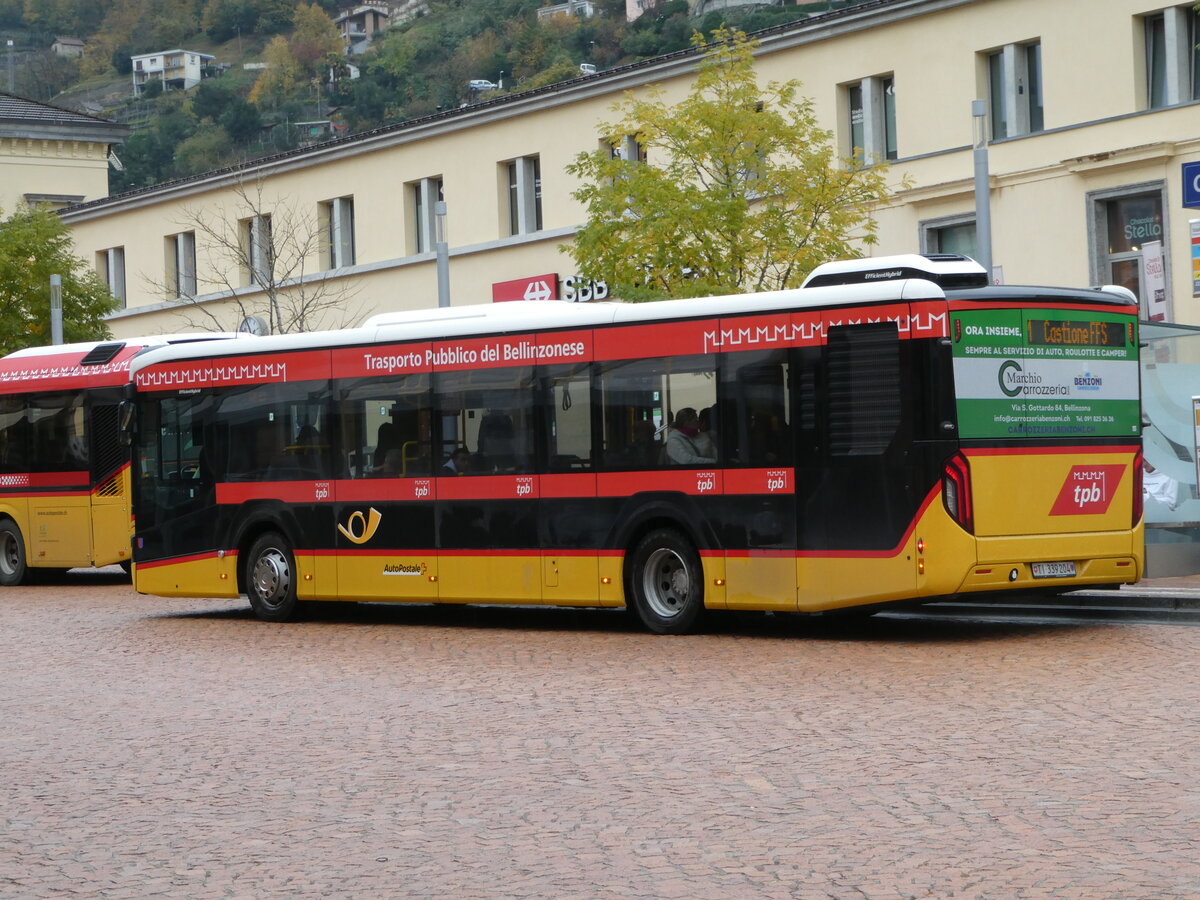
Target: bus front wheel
{"type": "Point", "coordinates": [271, 579]}
{"type": "Point", "coordinates": [13, 570]}
{"type": "Point", "coordinates": [665, 582]}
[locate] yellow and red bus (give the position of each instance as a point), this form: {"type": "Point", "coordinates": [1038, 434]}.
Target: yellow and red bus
{"type": "Point", "coordinates": [64, 472]}
{"type": "Point", "coordinates": [894, 431]}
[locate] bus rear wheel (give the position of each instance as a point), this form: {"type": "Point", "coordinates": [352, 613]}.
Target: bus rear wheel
{"type": "Point", "coordinates": [271, 579]}
{"type": "Point", "coordinates": [665, 582]}
{"type": "Point", "coordinates": [13, 570]}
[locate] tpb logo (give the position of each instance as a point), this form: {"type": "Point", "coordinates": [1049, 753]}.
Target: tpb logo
{"type": "Point", "coordinates": [1088, 491]}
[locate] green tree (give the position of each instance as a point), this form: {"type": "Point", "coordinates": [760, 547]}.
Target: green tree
{"type": "Point", "coordinates": [35, 244]}
{"type": "Point", "coordinates": [740, 189]}
{"type": "Point", "coordinates": [315, 37]}
{"type": "Point", "coordinates": [207, 149]}
{"type": "Point", "coordinates": [241, 120]}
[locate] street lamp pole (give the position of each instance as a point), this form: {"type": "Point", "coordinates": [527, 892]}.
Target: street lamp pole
{"type": "Point", "coordinates": [56, 314]}
{"type": "Point", "coordinates": [443, 254]}
{"type": "Point", "coordinates": [983, 192]}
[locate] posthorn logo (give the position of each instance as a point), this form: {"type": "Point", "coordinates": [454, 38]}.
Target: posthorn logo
{"type": "Point", "coordinates": [359, 528]}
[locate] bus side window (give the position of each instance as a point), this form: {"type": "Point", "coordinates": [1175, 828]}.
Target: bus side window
{"type": "Point", "coordinates": [633, 414]}
{"type": "Point", "coordinates": [756, 400]}
{"type": "Point", "coordinates": [14, 435]}
{"type": "Point", "coordinates": [567, 395]}
{"type": "Point", "coordinates": [386, 426]}
{"type": "Point", "coordinates": [490, 413]}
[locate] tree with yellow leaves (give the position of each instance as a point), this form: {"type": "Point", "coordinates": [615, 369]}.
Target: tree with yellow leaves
{"type": "Point", "coordinates": [733, 189]}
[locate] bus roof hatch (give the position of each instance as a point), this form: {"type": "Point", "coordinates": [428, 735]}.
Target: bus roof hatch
{"type": "Point", "coordinates": [948, 270]}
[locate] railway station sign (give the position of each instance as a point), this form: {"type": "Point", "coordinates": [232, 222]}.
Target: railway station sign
{"type": "Point", "coordinates": [535, 287]}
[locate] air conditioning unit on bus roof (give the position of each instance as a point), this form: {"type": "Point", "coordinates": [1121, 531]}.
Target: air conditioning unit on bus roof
{"type": "Point", "coordinates": [948, 270]}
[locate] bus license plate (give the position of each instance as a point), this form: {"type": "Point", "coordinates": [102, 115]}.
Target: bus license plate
{"type": "Point", "coordinates": [1053, 570]}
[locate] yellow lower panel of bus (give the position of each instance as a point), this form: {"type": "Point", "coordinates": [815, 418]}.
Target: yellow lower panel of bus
{"type": "Point", "coordinates": [1000, 576]}
{"type": "Point", "coordinates": [760, 582]}
{"type": "Point", "coordinates": [1049, 547]}
{"type": "Point", "coordinates": [491, 578]}
{"type": "Point", "coordinates": [854, 580]}
{"type": "Point", "coordinates": [60, 532]}
{"type": "Point", "coordinates": [386, 578]}
{"type": "Point", "coordinates": [206, 576]}
{"type": "Point", "coordinates": [571, 580]}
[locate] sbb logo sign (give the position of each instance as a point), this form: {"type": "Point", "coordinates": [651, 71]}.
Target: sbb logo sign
{"type": "Point", "coordinates": [1088, 491]}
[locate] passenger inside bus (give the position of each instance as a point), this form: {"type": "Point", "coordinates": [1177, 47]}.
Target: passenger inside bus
{"type": "Point", "coordinates": [683, 445]}
{"type": "Point", "coordinates": [459, 462]}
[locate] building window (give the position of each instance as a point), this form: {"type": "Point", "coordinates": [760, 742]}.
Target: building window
{"type": "Point", "coordinates": [951, 234]}
{"type": "Point", "coordinates": [1123, 221]}
{"type": "Point", "coordinates": [629, 149]}
{"type": "Point", "coordinates": [258, 250]}
{"type": "Point", "coordinates": [181, 265]}
{"type": "Point", "coordinates": [872, 110]}
{"type": "Point", "coordinates": [111, 266]}
{"type": "Point", "coordinates": [1172, 72]}
{"type": "Point", "coordinates": [425, 195]}
{"type": "Point", "coordinates": [337, 232]}
{"type": "Point", "coordinates": [1015, 90]}
{"type": "Point", "coordinates": [524, 194]}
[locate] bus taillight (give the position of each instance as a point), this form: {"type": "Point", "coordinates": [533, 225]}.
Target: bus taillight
{"type": "Point", "coordinates": [1138, 472]}
{"type": "Point", "coordinates": [956, 492]}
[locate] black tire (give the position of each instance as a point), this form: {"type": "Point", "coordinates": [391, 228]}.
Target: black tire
{"type": "Point", "coordinates": [665, 583]}
{"type": "Point", "coordinates": [13, 570]}
{"type": "Point", "coordinates": [270, 578]}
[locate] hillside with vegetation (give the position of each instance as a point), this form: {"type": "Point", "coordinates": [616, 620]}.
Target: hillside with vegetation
{"type": "Point", "coordinates": [281, 79]}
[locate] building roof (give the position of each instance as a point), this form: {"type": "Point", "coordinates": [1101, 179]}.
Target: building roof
{"type": "Point", "coordinates": [169, 52]}
{"type": "Point", "coordinates": [21, 118]}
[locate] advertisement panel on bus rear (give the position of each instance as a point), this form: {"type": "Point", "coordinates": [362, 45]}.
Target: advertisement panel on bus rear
{"type": "Point", "coordinates": [1053, 373]}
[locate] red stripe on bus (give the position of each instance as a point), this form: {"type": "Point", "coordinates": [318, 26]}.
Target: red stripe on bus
{"type": "Point", "coordinates": [62, 371]}
{"type": "Point", "coordinates": [563, 485]}
{"type": "Point", "coordinates": [694, 482]}
{"type": "Point", "coordinates": [17, 480]}
{"type": "Point", "coordinates": [384, 490]}
{"type": "Point", "coordinates": [231, 493]}
{"type": "Point", "coordinates": [179, 560]}
{"type": "Point", "coordinates": [684, 481]}
{"type": "Point", "coordinates": [221, 371]}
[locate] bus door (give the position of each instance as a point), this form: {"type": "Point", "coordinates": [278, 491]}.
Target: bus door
{"type": "Point", "coordinates": [487, 507]}
{"type": "Point", "coordinates": [384, 539]}
{"type": "Point", "coordinates": [60, 520]}
{"type": "Point", "coordinates": [757, 521]}
{"type": "Point", "coordinates": [857, 492]}
{"type": "Point", "coordinates": [112, 526]}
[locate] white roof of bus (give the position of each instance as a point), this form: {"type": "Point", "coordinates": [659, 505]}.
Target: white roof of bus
{"type": "Point", "coordinates": [545, 315]}
{"type": "Point", "coordinates": [84, 347]}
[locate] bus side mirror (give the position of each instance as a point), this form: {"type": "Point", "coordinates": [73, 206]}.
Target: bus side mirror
{"type": "Point", "coordinates": [126, 416]}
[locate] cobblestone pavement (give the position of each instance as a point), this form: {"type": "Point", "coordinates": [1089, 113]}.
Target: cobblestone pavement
{"type": "Point", "coordinates": [179, 748]}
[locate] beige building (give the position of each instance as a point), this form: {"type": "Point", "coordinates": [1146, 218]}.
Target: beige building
{"type": "Point", "coordinates": [1092, 116]}
{"type": "Point", "coordinates": [52, 156]}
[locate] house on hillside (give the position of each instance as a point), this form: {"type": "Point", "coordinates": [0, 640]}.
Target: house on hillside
{"type": "Point", "coordinates": [359, 24]}
{"type": "Point", "coordinates": [52, 156]}
{"type": "Point", "coordinates": [181, 69]}
{"type": "Point", "coordinates": [584, 9]}
{"type": "Point", "coordinates": [67, 46]}
{"type": "Point", "coordinates": [404, 10]}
